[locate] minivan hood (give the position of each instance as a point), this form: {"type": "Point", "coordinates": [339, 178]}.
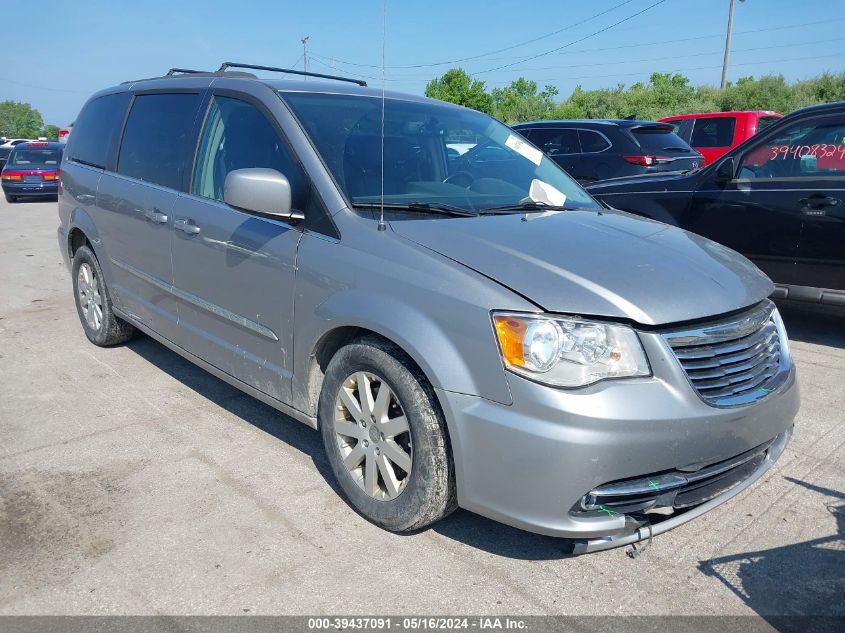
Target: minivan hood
{"type": "Point", "coordinates": [600, 263]}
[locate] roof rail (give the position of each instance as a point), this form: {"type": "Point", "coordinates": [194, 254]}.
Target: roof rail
{"type": "Point", "coordinates": [226, 65]}
{"type": "Point", "coordinates": [182, 71]}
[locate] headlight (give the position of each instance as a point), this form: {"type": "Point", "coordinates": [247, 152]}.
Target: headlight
{"type": "Point", "coordinates": [568, 352]}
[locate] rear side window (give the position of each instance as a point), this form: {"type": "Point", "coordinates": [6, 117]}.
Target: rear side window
{"type": "Point", "coordinates": [713, 132]}
{"type": "Point", "coordinates": [157, 139]}
{"type": "Point", "coordinates": [659, 139]}
{"type": "Point", "coordinates": [556, 141]}
{"type": "Point", "coordinates": [765, 121]}
{"type": "Point", "coordinates": [592, 142]}
{"type": "Point", "coordinates": [96, 130]}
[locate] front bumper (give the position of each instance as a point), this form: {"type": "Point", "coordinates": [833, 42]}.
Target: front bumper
{"type": "Point", "coordinates": [531, 464]}
{"type": "Point", "coordinates": [30, 189]}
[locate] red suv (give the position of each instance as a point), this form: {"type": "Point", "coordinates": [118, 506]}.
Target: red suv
{"type": "Point", "coordinates": [714, 133]}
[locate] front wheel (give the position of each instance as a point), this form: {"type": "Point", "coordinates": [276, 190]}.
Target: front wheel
{"type": "Point", "coordinates": [385, 437]}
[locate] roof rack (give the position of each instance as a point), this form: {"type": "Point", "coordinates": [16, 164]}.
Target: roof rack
{"type": "Point", "coordinates": [182, 71]}
{"type": "Point", "coordinates": [226, 65]}
{"type": "Point", "coordinates": [174, 72]}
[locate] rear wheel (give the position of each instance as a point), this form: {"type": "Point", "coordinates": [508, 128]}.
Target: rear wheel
{"type": "Point", "coordinates": [11, 199]}
{"type": "Point", "coordinates": [93, 304]}
{"type": "Point", "coordinates": [385, 437]}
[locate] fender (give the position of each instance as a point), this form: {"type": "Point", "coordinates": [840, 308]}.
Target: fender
{"type": "Point", "coordinates": [471, 365]}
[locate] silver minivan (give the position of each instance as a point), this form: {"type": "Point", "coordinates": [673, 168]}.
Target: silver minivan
{"type": "Point", "coordinates": [464, 328]}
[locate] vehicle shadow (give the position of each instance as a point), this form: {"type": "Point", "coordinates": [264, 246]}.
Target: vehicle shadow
{"type": "Point", "coordinates": [794, 587]}
{"type": "Point", "coordinates": [262, 416]}
{"type": "Point", "coordinates": [35, 199]}
{"type": "Point", "coordinates": [462, 526]}
{"type": "Point", "coordinates": [820, 326]}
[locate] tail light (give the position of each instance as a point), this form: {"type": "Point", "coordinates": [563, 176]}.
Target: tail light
{"type": "Point", "coordinates": [63, 133]}
{"type": "Point", "coordinates": [18, 175]}
{"type": "Point", "coordinates": [645, 161]}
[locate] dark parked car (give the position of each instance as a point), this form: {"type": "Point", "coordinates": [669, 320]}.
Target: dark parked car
{"type": "Point", "coordinates": [779, 199]}
{"type": "Point", "coordinates": [597, 149]}
{"type": "Point", "coordinates": [32, 170]}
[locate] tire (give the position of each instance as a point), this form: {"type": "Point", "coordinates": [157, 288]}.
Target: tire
{"type": "Point", "coordinates": [426, 493]}
{"type": "Point", "coordinates": [93, 304]}
{"type": "Point", "coordinates": [11, 199]}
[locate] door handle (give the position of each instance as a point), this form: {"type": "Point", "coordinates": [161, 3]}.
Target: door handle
{"type": "Point", "coordinates": [186, 226]}
{"type": "Point", "coordinates": [154, 215]}
{"type": "Point", "coordinates": [818, 201]}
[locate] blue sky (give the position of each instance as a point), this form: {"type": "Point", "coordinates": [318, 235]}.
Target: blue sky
{"type": "Point", "coordinates": [97, 43]}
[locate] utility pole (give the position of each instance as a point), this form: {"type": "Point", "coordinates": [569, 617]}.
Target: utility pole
{"type": "Point", "coordinates": [304, 41]}
{"type": "Point", "coordinates": [728, 44]}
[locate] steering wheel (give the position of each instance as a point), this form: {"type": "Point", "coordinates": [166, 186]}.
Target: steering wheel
{"type": "Point", "coordinates": [460, 179]}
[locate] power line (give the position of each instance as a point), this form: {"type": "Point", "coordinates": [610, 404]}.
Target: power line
{"type": "Point", "coordinates": [49, 89]}
{"type": "Point", "coordinates": [499, 50]}
{"type": "Point", "coordinates": [699, 54]}
{"type": "Point", "coordinates": [631, 61]}
{"type": "Point", "coordinates": [607, 48]}
{"type": "Point", "coordinates": [676, 69]}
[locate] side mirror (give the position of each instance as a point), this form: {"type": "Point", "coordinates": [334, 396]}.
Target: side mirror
{"type": "Point", "coordinates": [726, 170]}
{"type": "Point", "coordinates": [260, 190]}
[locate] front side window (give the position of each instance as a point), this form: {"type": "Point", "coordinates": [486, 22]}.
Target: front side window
{"type": "Point", "coordinates": [713, 132]}
{"type": "Point", "coordinates": [238, 136]}
{"type": "Point", "coordinates": [157, 139]}
{"type": "Point", "coordinates": [554, 141]}
{"type": "Point", "coordinates": [808, 149]}
{"type": "Point", "coordinates": [491, 165]}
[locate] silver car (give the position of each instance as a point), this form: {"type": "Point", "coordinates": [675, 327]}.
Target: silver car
{"type": "Point", "coordinates": [464, 329]}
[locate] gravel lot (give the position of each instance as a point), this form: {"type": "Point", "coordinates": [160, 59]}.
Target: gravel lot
{"type": "Point", "coordinates": [133, 482]}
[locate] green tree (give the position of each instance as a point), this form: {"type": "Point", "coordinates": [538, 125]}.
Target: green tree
{"type": "Point", "coordinates": [456, 86]}
{"type": "Point", "coordinates": [521, 102]}
{"type": "Point", "coordinates": [51, 132]}
{"type": "Point", "coordinates": [19, 120]}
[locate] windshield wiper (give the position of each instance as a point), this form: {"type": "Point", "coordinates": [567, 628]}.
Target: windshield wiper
{"type": "Point", "coordinates": [421, 207]}
{"type": "Point", "coordinates": [526, 207]}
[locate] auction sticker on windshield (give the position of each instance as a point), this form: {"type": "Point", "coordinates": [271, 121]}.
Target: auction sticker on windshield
{"type": "Point", "coordinates": [524, 149]}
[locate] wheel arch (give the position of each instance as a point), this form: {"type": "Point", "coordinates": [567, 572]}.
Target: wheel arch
{"type": "Point", "coordinates": [81, 229]}
{"type": "Point", "coordinates": [445, 362]}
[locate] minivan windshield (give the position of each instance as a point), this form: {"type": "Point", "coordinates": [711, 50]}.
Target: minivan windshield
{"type": "Point", "coordinates": [435, 155]}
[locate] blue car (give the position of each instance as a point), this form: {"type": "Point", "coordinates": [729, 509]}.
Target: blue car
{"type": "Point", "coordinates": [32, 170]}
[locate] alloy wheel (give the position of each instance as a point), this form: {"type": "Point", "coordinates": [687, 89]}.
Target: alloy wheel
{"type": "Point", "coordinates": [373, 435]}
{"type": "Point", "coordinates": [90, 300]}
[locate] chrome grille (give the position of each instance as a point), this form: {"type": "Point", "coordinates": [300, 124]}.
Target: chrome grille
{"type": "Point", "coordinates": [733, 361]}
